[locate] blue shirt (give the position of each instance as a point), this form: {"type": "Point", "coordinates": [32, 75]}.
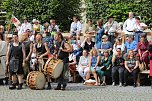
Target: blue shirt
{"type": "Point", "coordinates": [107, 45]}
{"type": "Point", "coordinates": [131, 46]}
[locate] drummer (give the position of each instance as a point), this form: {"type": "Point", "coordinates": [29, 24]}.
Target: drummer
{"type": "Point", "coordinates": [42, 50]}
{"type": "Point", "coordinates": [28, 50]}
{"type": "Point", "coordinates": [62, 51]}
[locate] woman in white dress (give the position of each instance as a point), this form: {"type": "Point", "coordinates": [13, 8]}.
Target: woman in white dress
{"type": "Point", "coordinates": [83, 67]}
{"type": "Point", "coordinates": [3, 51]}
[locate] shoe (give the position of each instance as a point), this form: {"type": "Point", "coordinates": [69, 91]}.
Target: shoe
{"type": "Point", "coordinates": [134, 85]}
{"type": "Point", "coordinates": [113, 84]}
{"type": "Point", "coordinates": [125, 85]}
{"type": "Point", "coordinates": [48, 87]}
{"type": "Point", "coordinates": [120, 84]}
{"type": "Point", "coordinates": [19, 87]}
{"type": "Point", "coordinates": [103, 84]}
{"type": "Point", "coordinates": [57, 88]}
{"type": "Point", "coordinates": [13, 86]}
{"type": "Point", "coordinates": [64, 86]}
{"type": "Point", "coordinates": [84, 83]}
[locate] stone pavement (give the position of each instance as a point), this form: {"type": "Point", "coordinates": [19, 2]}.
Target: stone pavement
{"type": "Point", "coordinates": [79, 92]}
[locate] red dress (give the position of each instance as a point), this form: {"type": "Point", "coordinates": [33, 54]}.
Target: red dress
{"type": "Point", "coordinates": [144, 47]}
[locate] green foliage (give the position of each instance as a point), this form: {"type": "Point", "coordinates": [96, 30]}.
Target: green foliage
{"type": "Point", "coordinates": [44, 10]}
{"type": "Point", "coordinates": [119, 9]}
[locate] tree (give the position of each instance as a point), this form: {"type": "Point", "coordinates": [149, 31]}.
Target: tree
{"type": "Point", "coordinates": [119, 9]}
{"type": "Point", "coordinates": [43, 10]}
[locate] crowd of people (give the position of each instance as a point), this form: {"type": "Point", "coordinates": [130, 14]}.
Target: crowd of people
{"type": "Point", "coordinates": [104, 52]}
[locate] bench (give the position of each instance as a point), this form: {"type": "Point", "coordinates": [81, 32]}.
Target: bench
{"type": "Point", "coordinates": [144, 72]}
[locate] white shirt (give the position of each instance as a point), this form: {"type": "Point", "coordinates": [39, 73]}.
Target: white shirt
{"type": "Point", "coordinates": [113, 27]}
{"type": "Point", "coordinates": [25, 26]}
{"type": "Point", "coordinates": [129, 25]}
{"type": "Point", "coordinates": [83, 61]}
{"type": "Point", "coordinates": [51, 28]}
{"type": "Point", "coordinates": [76, 27]}
{"type": "Point", "coordinates": [140, 27]}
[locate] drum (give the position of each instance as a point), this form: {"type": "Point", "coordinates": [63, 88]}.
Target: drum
{"type": "Point", "coordinates": [36, 80]}
{"type": "Point", "coordinates": [90, 82]}
{"type": "Point", "coordinates": [53, 67]}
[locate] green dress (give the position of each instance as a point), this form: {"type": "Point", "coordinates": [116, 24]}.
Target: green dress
{"type": "Point", "coordinates": [106, 63]}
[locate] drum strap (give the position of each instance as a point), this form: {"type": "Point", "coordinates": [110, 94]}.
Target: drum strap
{"type": "Point", "coordinates": [59, 48]}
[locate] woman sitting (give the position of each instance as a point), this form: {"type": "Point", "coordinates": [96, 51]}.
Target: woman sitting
{"type": "Point", "coordinates": [118, 66]}
{"type": "Point", "coordinates": [142, 47]}
{"type": "Point", "coordinates": [131, 67]}
{"type": "Point", "coordinates": [106, 45]}
{"type": "Point", "coordinates": [83, 64]}
{"type": "Point", "coordinates": [76, 46]}
{"type": "Point", "coordinates": [118, 44]}
{"type": "Point", "coordinates": [105, 65]}
{"type": "Point", "coordinates": [88, 44]}
{"type": "Point", "coordinates": [93, 64]}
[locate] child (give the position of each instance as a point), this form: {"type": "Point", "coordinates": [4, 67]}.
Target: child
{"type": "Point", "coordinates": [33, 61]}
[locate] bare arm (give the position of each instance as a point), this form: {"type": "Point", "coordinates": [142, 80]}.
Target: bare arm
{"type": "Point", "coordinates": [23, 51]}
{"type": "Point", "coordinates": [137, 64]}
{"type": "Point", "coordinates": [113, 59]}
{"type": "Point", "coordinates": [8, 54]}
{"type": "Point", "coordinates": [126, 66]}
{"type": "Point", "coordinates": [47, 51]}
{"type": "Point", "coordinates": [90, 62]}
{"type": "Point", "coordinates": [98, 60]}
{"type": "Point", "coordinates": [31, 49]}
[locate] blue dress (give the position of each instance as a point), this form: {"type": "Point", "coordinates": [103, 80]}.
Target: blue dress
{"type": "Point", "coordinates": [93, 63]}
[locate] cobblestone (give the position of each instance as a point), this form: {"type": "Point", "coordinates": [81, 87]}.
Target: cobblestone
{"type": "Point", "coordinates": [78, 92]}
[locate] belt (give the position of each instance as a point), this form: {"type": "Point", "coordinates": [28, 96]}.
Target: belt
{"type": "Point", "coordinates": [2, 55]}
{"type": "Point", "coordinates": [130, 31]}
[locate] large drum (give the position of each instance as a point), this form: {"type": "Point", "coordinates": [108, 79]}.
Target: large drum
{"type": "Point", "coordinates": [53, 67]}
{"type": "Point", "coordinates": [36, 80]}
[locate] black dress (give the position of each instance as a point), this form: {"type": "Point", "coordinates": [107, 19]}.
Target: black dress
{"type": "Point", "coordinates": [88, 47]}
{"type": "Point", "coordinates": [16, 59]}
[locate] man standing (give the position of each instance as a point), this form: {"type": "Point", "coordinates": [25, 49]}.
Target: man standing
{"type": "Point", "coordinates": [62, 50]}
{"type": "Point", "coordinates": [129, 25]}
{"type": "Point", "coordinates": [25, 25]}
{"type": "Point", "coordinates": [76, 27]}
{"type": "Point", "coordinates": [110, 28]}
